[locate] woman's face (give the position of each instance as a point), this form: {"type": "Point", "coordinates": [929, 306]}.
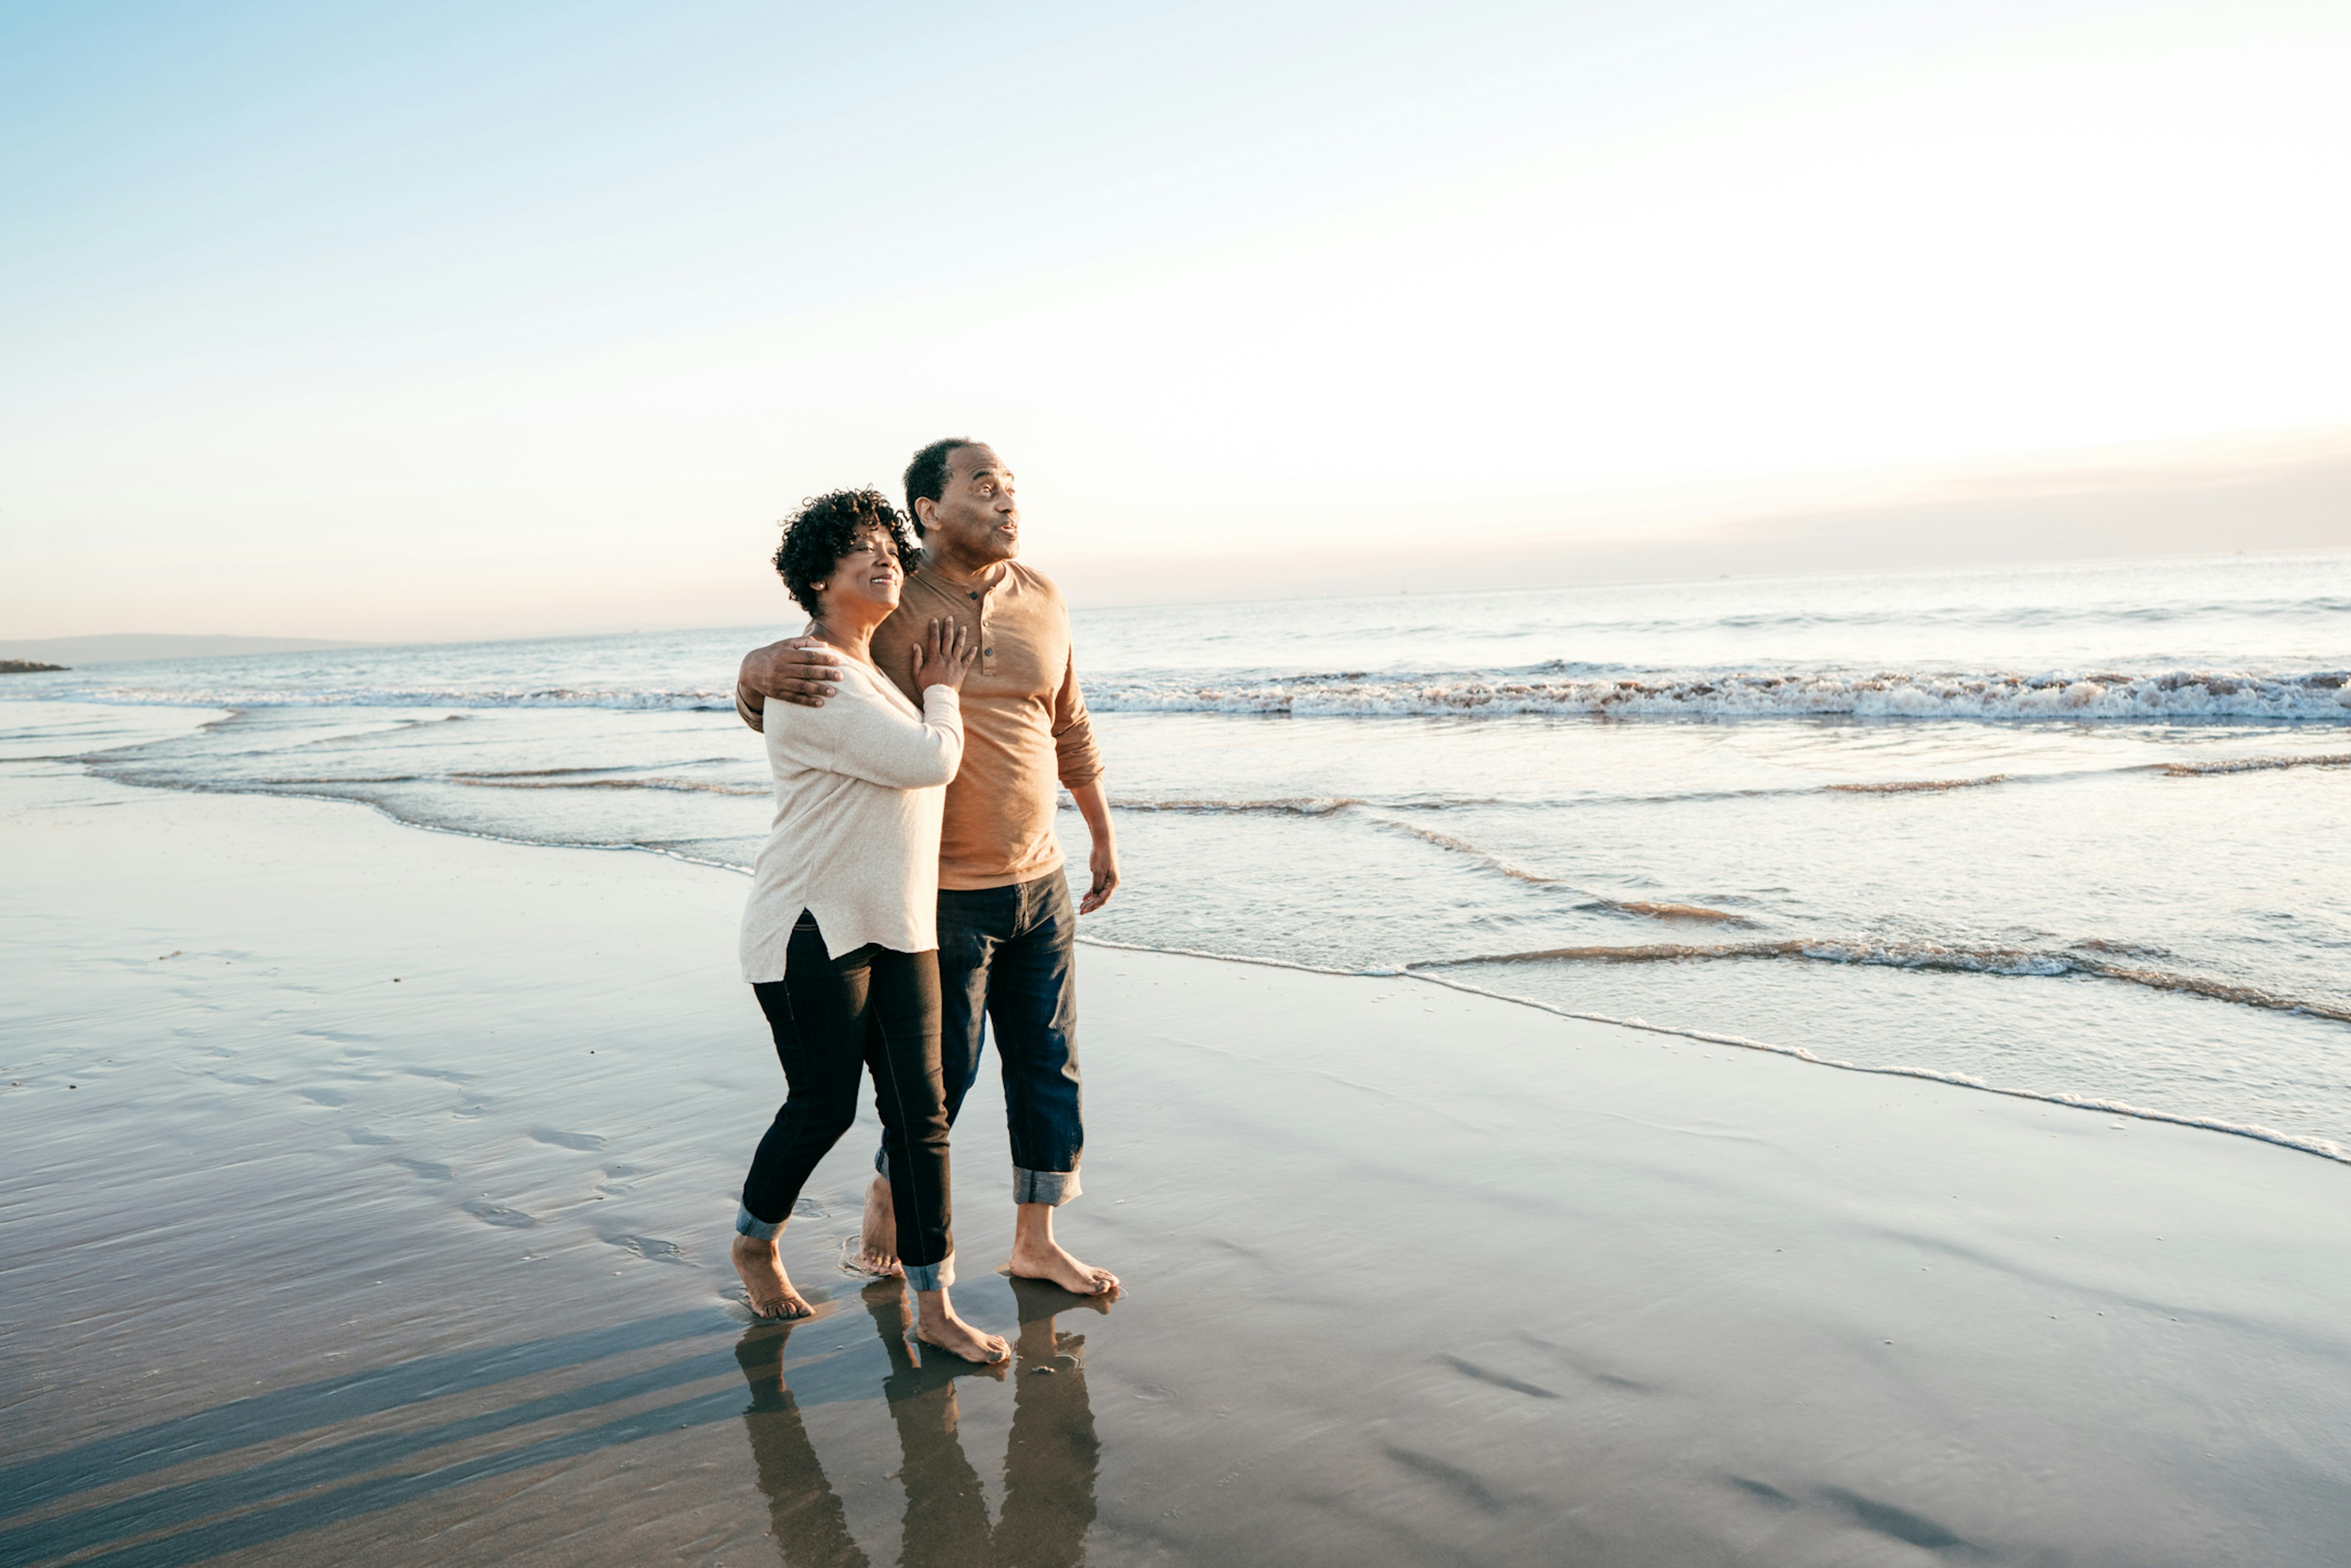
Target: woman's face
{"type": "Point", "coordinates": [865, 583]}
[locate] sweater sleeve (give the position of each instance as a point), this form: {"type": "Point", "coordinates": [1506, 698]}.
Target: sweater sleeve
{"type": "Point", "coordinates": [862, 734]}
{"type": "Point", "coordinates": [1075, 757]}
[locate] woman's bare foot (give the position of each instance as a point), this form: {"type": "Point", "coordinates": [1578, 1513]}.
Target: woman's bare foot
{"type": "Point", "coordinates": [938, 1325]}
{"type": "Point", "coordinates": [771, 1293]}
{"type": "Point", "coordinates": [878, 1244]}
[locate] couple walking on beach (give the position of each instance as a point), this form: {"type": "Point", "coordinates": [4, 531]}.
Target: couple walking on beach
{"type": "Point", "coordinates": [911, 889]}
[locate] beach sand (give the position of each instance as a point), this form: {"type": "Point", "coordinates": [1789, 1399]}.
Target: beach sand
{"type": "Point", "coordinates": [369, 1192]}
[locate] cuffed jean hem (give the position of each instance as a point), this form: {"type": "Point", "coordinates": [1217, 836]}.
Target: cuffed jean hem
{"type": "Point", "coordinates": [935, 1276]}
{"type": "Point", "coordinates": [1055, 1188]}
{"type": "Point", "coordinates": [749, 1224]}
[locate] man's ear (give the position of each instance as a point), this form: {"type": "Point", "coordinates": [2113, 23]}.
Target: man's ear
{"type": "Point", "coordinates": [922, 517]}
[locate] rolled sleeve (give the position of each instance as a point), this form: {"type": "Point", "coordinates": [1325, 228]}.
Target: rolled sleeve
{"type": "Point", "coordinates": [1075, 757]}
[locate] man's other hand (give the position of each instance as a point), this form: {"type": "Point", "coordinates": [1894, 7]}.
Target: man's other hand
{"type": "Point", "coordinates": [1092, 801]}
{"type": "Point", "coordinates": [803, 670]}
{"type": "Point", "coordinates": [1104, 864]}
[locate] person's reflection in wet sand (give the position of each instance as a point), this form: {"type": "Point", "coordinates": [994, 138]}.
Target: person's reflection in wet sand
{"type": "Point", "coordinates": [1052, 1457]}
{"type": "Point", "coordinates": [1049, 1461]}
{"type": "Point", "coordinates": [810, 1530]}
{"type": "Point", "coordinates": [947, 1512]}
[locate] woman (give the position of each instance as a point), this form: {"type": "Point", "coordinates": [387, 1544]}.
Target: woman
{"type": "Point", "coordinates": [840, 939]}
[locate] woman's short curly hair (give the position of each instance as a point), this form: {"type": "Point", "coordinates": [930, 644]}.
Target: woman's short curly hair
{"type": "Point", "coordinates": [825, 528]}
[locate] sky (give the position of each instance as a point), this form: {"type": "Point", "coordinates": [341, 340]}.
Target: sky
{"type": "Point", "coordinates": [436, 321]}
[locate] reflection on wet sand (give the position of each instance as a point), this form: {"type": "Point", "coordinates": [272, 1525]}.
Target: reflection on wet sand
{"type": "Point", "coordinates": [344, 1469]}
{"type": "Point", "coordinates": [1049, 1462]}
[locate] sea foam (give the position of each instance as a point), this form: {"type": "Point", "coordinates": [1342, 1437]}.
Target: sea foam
{"type": "Point", "coordinates": [1554, 689]}
{"type": "Point", "coordinates": [2320, 696]}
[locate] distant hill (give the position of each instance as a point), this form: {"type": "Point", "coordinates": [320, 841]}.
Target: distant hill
{"type": "Point", "coordinates": [117, 647]}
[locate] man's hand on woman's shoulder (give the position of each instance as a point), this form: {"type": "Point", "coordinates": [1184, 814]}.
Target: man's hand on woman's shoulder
{"type": "Point", "coordinates": [803, 670]}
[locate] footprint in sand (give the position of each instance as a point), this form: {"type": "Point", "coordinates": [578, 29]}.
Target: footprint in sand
{"type": "Point", "coordinates": [490, 1213]}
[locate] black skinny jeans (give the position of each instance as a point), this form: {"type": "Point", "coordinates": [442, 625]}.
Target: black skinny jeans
{"type": "Point", "coordinates": [833, 1018]}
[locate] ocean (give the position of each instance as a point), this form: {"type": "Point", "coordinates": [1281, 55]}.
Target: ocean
{"type": "Point", "coordinates": [2075, 832]}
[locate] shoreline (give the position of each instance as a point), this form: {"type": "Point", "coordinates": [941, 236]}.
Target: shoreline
{"type": "Point", "coordinates": [2322, 1148]}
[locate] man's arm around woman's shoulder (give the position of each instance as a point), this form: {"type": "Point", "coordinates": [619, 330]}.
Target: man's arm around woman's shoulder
{"type": "Point", "coordinates": [803, 671]}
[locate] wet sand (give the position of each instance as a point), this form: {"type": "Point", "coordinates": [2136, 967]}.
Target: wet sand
{"type": "Point", "coordinates": [367, 1201]}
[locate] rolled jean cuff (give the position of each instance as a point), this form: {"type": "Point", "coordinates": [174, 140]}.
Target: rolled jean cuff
{"type": "Point", "coordinates": [749, 1224]}
{"type": "Point", "coordinates": [935, 1276]}
{"type": "Point", "coordinates": [1055, 1188]}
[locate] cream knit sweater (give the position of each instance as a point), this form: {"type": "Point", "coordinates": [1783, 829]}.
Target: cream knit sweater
{"type": "Point", "coordinates": [860, 786]}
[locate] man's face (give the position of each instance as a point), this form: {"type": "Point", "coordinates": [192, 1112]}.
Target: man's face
{"type": "Point", "coordinates": [974, 519]}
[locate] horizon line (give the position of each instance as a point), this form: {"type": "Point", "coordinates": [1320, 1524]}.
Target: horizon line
{"type": "Point", "coordinates": [10, 647]}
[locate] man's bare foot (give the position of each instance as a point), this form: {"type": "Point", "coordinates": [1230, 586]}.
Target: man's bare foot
{"type": "Point", "coordinates": [1046, 1259]}
{"type": "Point", "coordinates": [949, 1332]}
{"type": "Point", "coordinates": [877, 1246]}
{"type": "Point", "coordinates": [771, 1293]}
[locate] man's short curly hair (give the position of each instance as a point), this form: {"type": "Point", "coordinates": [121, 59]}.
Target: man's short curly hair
{"type": "Point", "coordinates": [927, 475]}
{"type": "Point", "coordinates": [825, 528]}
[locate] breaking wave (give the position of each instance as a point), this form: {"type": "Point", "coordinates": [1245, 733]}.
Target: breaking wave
{"type": "Point", "coordinates": [1646, 908]}
{"type": "Point", "coordinates": [2255, 764]}
{"type": "Point", "coordinates": [686, 786]}
{"type": "Point", "coordinates": [1554, 688]}
{"type": "Point", "coordinates": [2325, 1148]}
{"type": "Point", "coordinates": [1982, 960]}
{"type": "Point", "coordinates": [692, 700]}
{"type": "Point", "coordinates": [538, 778]}
{"type": "Point", "coordinates": [1298, 806]}
{"type": "Point", "coordinates": [1656, 911]}
{"type": "Point", "coordinates": [1915, 786]}
{"type": "Point", "coordinates": [1461, 846]}
{"type": "Point", "coordinates": [1544, 689]}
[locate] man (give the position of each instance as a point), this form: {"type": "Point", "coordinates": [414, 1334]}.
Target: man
{"type": "Point", "coordinates": [1007, 932]}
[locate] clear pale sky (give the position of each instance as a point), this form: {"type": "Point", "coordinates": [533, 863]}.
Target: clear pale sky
{"type": "Point", "coordinates": [424, 320]}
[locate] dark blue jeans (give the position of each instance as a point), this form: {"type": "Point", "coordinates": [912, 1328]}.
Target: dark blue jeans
{"type": "Point", "coordinates": [833, 1019]}
{"type": "Point", "coordinates": [1008, 957]}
